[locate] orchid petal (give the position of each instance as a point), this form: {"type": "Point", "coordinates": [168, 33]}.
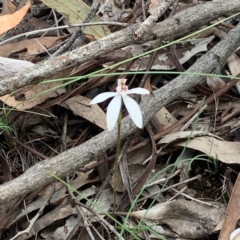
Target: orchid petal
{"type": "Point", "coordinates": [133, 110]}
{"type": "Point", "coordinates": [138, 91]}
{"type": "Point", "coordinates": [102, 97]}
{"type": "Point", "coordinates": [235, 234]}
{"type": "Point", "coordinates": [113, 112]}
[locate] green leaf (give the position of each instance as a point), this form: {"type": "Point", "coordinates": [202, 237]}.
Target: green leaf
{"type": "Point", "coordinates": [75, 12]}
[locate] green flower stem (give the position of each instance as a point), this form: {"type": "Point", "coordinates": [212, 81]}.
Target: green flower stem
{"type": "Point", "coordinates": [116, 162]}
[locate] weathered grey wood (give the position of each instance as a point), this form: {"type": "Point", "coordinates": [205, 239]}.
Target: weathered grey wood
{"type": "Point", "coordinates": [71, 160]}
{"type": "Point", "coordinates": [178, 25]}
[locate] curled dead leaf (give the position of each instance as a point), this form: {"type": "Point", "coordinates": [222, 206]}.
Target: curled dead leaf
{"type": "Point", "coordinates": [10, 21]}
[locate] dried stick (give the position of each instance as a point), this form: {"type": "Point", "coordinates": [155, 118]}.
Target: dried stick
{"type": "Point", "coordinates": [35, 218]}
{"type": "Point", "coordinates": [45, 30]}
{"type": "Point", "coordinates": [77, 34]}
{"type": "Point", "coordinates": [28, 148]}
{"type": "Point", "coordinates": [176, 26]}
{"type": "Point", "coordinates": [194, 199]}
{"type": "Point", "coordinates": [71, 160]}
{"type": "Point", "coordinates": [156, 9]}
{"type": "Point", "coordinates": [170, 187]}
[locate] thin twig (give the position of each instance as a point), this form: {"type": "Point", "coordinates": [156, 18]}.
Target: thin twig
{"type": "Point", "coordinates": [181, 23]}
{"type": "Point", "coordinates": [34, 219]}
{"type": "Point", "coordinates": [27, 34]}
{"type": "Point", "coordinates": [194, 199]}
{"type": "Point", "coordinates": [67, 162]}
{"type": "Point", "coordinates": [170, 187]}
{"type": "Point", "coordinates": [28, 148]}
{"type": "Point", "coordinates": [77, 39]}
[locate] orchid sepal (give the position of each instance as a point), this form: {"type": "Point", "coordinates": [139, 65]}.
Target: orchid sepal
{"type": "Point", "coordinates": [102, 97]}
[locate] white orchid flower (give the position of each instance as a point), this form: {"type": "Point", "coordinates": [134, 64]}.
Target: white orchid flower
{"type": "Point", "coordinates": [114, 106]}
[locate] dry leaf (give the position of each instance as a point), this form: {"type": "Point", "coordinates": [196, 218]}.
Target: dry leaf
{"type": "Point", "coordinates": [32, 95]}
{"type": "Point", "coordinates": [215, 83]}
{"type": "Point", "coordinates": [135, 172]}
{"type": "Point", "coordinates": [184, 135]}
{"type": "Point", "coordinates": [28, 97]}
{"type": "Point", "coordinates": [64, 210]}
{"type": "Point", "coordinates": [234, 67]}
{"type": "Point", "coordinates": [232, 213]}
{"type": "Point", "coordinates": [234, 64]}
{"type": "Point", "coordinates": [64, 231]}
{"type": "Point", "coordinates": [45, 131]}
{"type": "Point", "coordinates": [10, 21]}
{"type": "Point", "coordinates": [139, 155]}
{"type": "Point", "coordinates": [189, 219]}
{"type": "Point", "coordinates": [80, 180]}
{"type": "Point", "coordinates": [81, 106]}
{"type": "Point", "coordinates": [75, 12]}
{"type": "Point", "coordinates": [165, 118]}
{"type": "Point", "coordinates": [163, 61]}
{"type": "Point", "coordinates": [34, 24]}
{"type": "Point", "coordinates": [227, 152]}
{"type": "Point", "coordinates": [60, 193]}
{"type": "Point", "coordinates": [32, 46]}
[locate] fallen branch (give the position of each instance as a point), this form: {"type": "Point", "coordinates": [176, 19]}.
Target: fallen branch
{"type": "Point", "coordinates": [71, 160]}
{"type": "Point", "coordinates": [178, 25]}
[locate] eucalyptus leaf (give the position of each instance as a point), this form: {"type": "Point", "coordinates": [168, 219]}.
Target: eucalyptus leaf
{"type": "Point", "coordinates": [75, 12]}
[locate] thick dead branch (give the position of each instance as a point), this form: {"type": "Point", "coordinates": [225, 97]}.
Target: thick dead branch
{"type": "Point", "coordinates": [156, 9]}
{"type": "Point", "coordinates": [71, 160]}
{"type": "Point", "coordinates": [180, 24]}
